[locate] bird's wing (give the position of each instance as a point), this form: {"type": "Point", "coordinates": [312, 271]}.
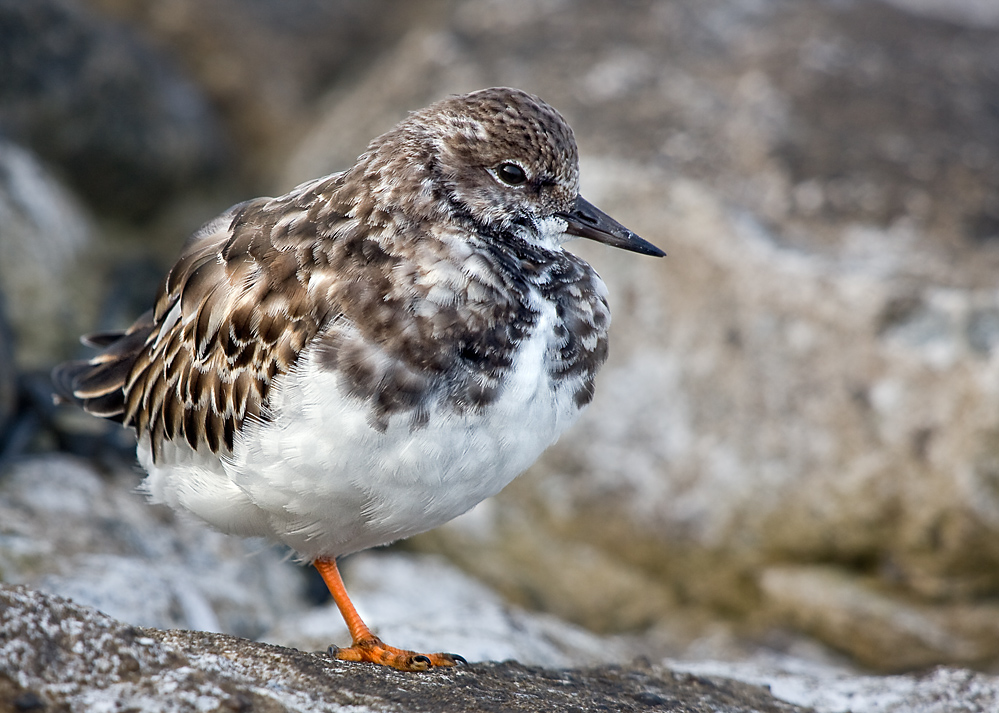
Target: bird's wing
{"type": "Point", "coordinates": [235, 311]}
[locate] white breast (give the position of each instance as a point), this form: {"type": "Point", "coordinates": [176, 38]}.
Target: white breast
{"type": "Point", "coordinates": [319, 478]}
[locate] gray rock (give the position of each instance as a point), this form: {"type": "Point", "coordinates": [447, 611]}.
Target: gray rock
{"type": "Point", "coordinates": [903, 633]}
{"type": "Point", "coordinates": [975, 13]}
{"type": "Point", "coordinates": [828, 690]}
{"type": "Point", "coordinates": [8, 373]}
{"type": "Point", "coordinates": [263, 63]}
{"type": "Point", "coordinates": [57, 654]}
{"type": "Point", "coordinates": [46, 237]}
{"type": "Point", "coordinates": [122, 124]}
{"type": "Point", "coordinates": [71, 530]}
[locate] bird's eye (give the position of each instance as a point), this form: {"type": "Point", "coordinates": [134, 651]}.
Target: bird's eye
{"type": "Point", "coordinates": [511, 174]}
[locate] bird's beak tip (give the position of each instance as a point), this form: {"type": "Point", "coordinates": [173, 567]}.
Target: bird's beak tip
{"type": "Point", "coordinates": [585, 220]}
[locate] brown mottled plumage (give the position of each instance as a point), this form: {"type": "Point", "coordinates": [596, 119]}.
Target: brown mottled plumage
{"type": "Point", "coordinates": [376, 351]}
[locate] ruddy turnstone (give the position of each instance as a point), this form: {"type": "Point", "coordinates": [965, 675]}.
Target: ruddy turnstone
{"type": "Point", "coordinates": [375, 352]}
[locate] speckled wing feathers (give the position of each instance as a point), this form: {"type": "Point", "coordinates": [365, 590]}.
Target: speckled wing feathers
{"type": "Point", "coordinates": [235, 311]}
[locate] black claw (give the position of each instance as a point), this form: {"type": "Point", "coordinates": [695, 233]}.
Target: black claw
{"type": "Point", "coordinates": [459, 659]}
{"type": "Point", "coordinates": [420, 662]}
{"type": "Point", "coordinates": [333, 650]}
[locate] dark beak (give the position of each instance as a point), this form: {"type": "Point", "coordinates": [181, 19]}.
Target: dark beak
{"type": "Point", "coordinates": [585, 220]}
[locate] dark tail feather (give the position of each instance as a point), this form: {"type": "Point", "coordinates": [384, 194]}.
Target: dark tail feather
{"type": "Point", "coordinates": [98, 384]}
{"type": "Point", "coordinates": [99, 340]}
{"type": "Point", "coordinates": [63, 377]}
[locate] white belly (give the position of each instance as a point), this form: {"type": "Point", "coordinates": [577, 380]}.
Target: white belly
{"type": "Point", "coordinates": [319, 478]}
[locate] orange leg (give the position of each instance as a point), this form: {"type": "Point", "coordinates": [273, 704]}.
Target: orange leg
{"type": "Point", "coordinates": [366, 646]}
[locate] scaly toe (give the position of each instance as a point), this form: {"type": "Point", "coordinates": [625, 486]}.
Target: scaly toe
{"type": "Point", "coordinates": [374, 651]}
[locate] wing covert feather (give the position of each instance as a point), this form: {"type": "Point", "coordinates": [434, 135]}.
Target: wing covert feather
{"type": "Point", "coordinates": [234, 312]}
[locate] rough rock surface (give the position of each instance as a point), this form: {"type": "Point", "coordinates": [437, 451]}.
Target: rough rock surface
{"type": "Point", "coordinates": [58, 655]}
{"type": "Point", "coordinates": [81, 532]}
{"type": "Point", "coordinates": [827, 690]}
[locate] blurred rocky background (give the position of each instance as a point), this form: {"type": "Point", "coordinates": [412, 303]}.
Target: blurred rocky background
{"type": "Point", "coordinates": [793, 455]}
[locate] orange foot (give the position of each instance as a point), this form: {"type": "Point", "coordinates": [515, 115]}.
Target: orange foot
{"type": "Point", "coordinates": [368, 647]}
{"type": "Point", "coordinates": [372, 650]}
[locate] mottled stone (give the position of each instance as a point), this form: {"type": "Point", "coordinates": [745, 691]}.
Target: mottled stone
{"type": "Point", "coordinates": [126, 129]}
{"type": "Point", "coordinates": [45, 236]}
{"type": "Point", "coordinates": [8, 372]}
{"type": "Point", "coordinates": [263, 64]}
{"type": "Point", "coordinates": [73, 530]}
{"type": "Point", "coordinates": [54, 653]}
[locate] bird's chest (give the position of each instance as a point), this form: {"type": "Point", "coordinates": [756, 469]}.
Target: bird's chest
{"type": "Point", "coordinates": [490, 416]}
{"type": "Point", "coordinates": [326, 451]}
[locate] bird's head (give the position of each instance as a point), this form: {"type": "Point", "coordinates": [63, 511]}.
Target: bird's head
{"type": "Point", "coordinates": [500, 159]}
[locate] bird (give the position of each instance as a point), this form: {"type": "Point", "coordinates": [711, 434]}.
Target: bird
{"type": "Point", "coordinates": [375, 352]}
